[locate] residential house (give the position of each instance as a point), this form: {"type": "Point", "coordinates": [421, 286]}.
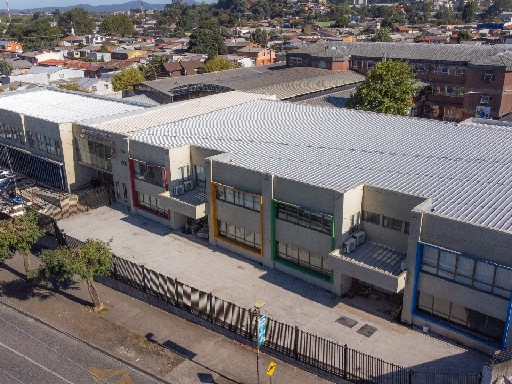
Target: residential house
{"type": "Point", "coordinates": [11, 46]}
{"type": "Point", "coordinates": [260, 56]}
{"type": "Point", "coordinates": [125, 54]}
{"type": "Point", "coordinates": [37, 56]}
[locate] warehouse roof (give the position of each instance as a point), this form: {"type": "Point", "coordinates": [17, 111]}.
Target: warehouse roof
{"type": "Point", "coordinates": [466, 169]}
{"type": "Point", "coordinates": [476, 55]}
{"type": "Point", "coordinates": [272, 79]}
{"type": "Point", "coordinates": [63, 106]}
{"type": "Point", "coordinates": [143, 119]}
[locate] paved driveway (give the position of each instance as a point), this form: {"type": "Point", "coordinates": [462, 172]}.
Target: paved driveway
{"type": "Point", "coordinates": [288, 299]}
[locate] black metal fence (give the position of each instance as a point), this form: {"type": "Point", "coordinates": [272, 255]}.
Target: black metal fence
{"type": "Point", "coordinates": [326, 355]}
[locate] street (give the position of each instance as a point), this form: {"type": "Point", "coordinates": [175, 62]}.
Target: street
{"type": "Point", "coordinates": [31, 352]}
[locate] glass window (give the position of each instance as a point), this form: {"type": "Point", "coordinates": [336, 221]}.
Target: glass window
{"type": "Point", "coordinates": [152, 174]}
{"type": "Point", "coordinates": [183, 173]}
{"type": "Point", "coordinates": [239, 235]}
{"type": "Point", "coordinates": [230, 195]}
{"type": "Point", "coordinates": [305, 218]}
{"type": "Point", "coordinates": [150, 203]}
{"type": "Point", "coordinates": [249, 201]}
{"type": "Point", "coordinates": [302, 257]}
{"type": "Point", "coordinates": [241, 198]}
{"type": "Point", "coordinates": [220, 192]}
{"type": "Point", "coordinates": [200, 176]}
{"type": "Point", "coordinates": [447, 264]}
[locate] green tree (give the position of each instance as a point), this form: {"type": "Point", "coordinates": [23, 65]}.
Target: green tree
{"type": "Point", "coordinates": [126, 79]}
{"type": "Point", "coordinates": [5, 67]}
{"type": "Point", "coordinates": [119, 24]}
{"type": "Point", "coordinates": [382, 35]}
{"type": "Point", "coordinates": [154, 68]}
{"type": "Point", "coordinates": [469, 11]}
{"type": "Point", "coordinates": [342, 22]}
{"type": "Point", "coordinates": [73, 86]}
{"type": "Point", "coordinates": [388, 88]}
{"type": "Point", "coordinates": [208, 42]}
{"type": "Point", "coordinates": [220, 63]}
{"type": "Point", "coordinates": [17, 235]}
{"type": "Point", "coordinates": [259, 36]}
{"type": "Point", "coordinates": [78, 19]}
{"type": "Point", "coordinates": [464, 35]}
{"type": "Point", "coordinates": [103, 49]}
{"type": "Point", "coordinates": [93, 258]}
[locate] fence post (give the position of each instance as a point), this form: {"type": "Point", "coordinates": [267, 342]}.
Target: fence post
{"type": "Point", "coordinates": [345, 361]}
{"type": "Point", "coordinates": [176, 292]}
{"type": "Point", "coordinates": [296, 343]}
{"type": "Point", "coordinates": [479, 377]}
{"type": "Point", "coordinates": [210, 307]}
{"type": "Point", "coordinates": [143, 278]}
{"type": "Point", "coordinates": [409, 376]}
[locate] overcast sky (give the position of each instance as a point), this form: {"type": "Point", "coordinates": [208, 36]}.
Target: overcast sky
{"type": "Point", "coordinates": [27, 4]}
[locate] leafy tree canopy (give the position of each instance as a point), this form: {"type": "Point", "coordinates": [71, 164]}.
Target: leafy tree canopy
{"type": "Point", "coordinates": [388, 88]}
{"type": "Point", "coordinates": [220, 63]}
{"type": "Point", "coordinates": [17, 235]}
{"type": "Point", "coordinates": [207, 42]}
{"type": "Point", "coordinates": [119, 24]}
{"type": "Point", "coordinates": [73, 86]}
{"type": "Point", "coordinates": [382, 35]}
{"type": "Point", "coordinates": [154, 68]}
{"type": "Point", "coordinates": [259, 36]}
{"type": "Point", "coordinates": [78, 19]}
{"type": "Point", "coordinates": [126, 79]}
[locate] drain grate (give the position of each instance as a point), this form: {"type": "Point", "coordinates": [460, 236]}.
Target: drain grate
{"type": "Point", "coordinates": [367, 330]}
{"type": "Point", "coordinates": [346, 321]}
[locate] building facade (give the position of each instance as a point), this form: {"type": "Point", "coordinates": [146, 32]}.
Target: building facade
{"type": "Point", "coordinates": [462, 81]}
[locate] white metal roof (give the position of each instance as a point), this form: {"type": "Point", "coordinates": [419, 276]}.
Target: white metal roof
{"type": "Point", "coordinates": [153, 117]}
{"type": "Point", "coordinates": [62, 107]}
{"type": "Point", "coordinates": [466, 169]}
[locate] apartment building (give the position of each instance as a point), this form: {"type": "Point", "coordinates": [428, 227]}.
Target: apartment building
{"type": "Point", "coordinates": [463, 81]}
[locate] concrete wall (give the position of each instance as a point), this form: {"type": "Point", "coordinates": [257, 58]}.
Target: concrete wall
{"type": "Point", "coordinates": [178, 157]}
{"type": "Point", "coordinates": [237, 177]}
{"type": "Point", "coordinates": [239, 216]}
{"type": "Point", "coordinates": [352, 202]}
{"type": "Point", "coordinates": [396, 205]}
{"type": "Point", "coordinates": [305, 195]}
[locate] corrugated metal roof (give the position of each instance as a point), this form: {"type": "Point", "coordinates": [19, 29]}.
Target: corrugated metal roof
{"type": "Point", "coordinates": [465, 169]}
{"type": "Point", "coordinates": [61, 106]}
{"type": "Point", "coordinates": [333, 100]}
{"type": "Point", "coordinates": [499, 55]}
{"type": "Point", "coordinates": [172, 112]}
{"type": "Point", "coordinates": [272, 79]}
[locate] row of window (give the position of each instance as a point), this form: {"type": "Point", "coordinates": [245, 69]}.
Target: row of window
{"type": "Point", "coordinates": [237, 197]}
{"type": "Point", "coordinates": [10, 132]}
{"type": "Point", "coordinates": [302, 258]}
{"type": "Point", "coordinates": [239, 235]}
{"type": "Point", "coordinates": [151, 203]}
{"type": "Point", "coordinates": [305, 218]}
{"type": "Point", "coordinates": [464, 270]}
{"type": "Point", "coordinates": [387, 222]}
{"type": "Point", "coordinates": [95, 154]}
{"type": "Point", "coordinates": [468, 319]}
{"type": "Point", "coordinates": [448, 90]}
{"type": "Point", "coordinates": [44, 143]}
{"type": "Point", "coordinates": [152, 174]}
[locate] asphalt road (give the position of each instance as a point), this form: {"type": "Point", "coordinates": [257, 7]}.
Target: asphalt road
{"type": "Point", "coordinates": [31, 352]}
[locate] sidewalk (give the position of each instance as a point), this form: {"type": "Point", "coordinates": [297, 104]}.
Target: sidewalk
{"type": "Point", "coordinates": [289, 300]}
{"type": "Point", "coordinates": [177, 351]}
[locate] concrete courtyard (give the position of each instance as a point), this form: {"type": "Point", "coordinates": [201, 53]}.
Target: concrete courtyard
{"type": "Point", "coordinates": [228, 276]}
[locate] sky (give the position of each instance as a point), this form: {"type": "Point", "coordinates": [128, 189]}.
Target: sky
{"type": "Point", "coordinates": [27, 4]}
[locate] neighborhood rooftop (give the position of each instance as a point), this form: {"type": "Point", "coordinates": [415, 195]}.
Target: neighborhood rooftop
{"type": "Point", "coordinates": [475, 55]}
{"type": "Point", "coordinates": [61, 106]}
{"type": "Point", "coordinates": [465, 169]}
{"type": "Point", "coordinates": [272, 79]}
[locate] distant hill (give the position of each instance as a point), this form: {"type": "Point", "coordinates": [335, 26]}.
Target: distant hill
{"type": "Point", "coordinates": [103, 8]}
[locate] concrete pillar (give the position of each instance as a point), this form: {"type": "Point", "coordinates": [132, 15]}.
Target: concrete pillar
{"type": "Point", "coordinates": [267, 192]}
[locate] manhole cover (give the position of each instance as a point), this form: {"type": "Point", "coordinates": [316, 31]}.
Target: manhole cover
{"type": "Point", "coordinates": [346, 321]}
{"type": "Point", "coordinates": [367, 330]}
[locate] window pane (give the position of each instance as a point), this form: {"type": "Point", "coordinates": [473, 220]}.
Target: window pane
{"type": "Point", "coordinates": [230, 196]}
{"type": "Point", "coordinates": [304, 218]}
{"type": "Point", "coordinates": [327, 224]}
{"type": "Point", "coordinates": [240, 234]}
{"type": "Point", "coordinates": [221, 195]}
{"type": "Point", "coordinates": [465, 266]}
{"type": "Point", "coordinates": [239, 198]}
{"type": "Point", "coordinates": [447, 262]}
{"type": "Point", "coordinates": [503, 278]}
{"type": "Point", "coordinates": [231, 231]}
{"type": "Point", "coordinates": [484, 273]}
{"type": "Point", "coordinates": [430, 255]}
{"type": "Point", "coordinates": [281, 247]}
{"type": "Point", "coordinates": [248, 201]}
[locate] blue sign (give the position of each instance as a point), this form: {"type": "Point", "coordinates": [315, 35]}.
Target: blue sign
{"type": "Point", "coordinates": [262, 327]}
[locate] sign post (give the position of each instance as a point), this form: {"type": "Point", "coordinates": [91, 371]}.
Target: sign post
{"type": "Point", "coordinates": [260, 335]}
{"type": "Point", "coordinates": [271, 369]}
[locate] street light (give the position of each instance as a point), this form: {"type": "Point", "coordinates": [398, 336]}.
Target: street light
{"type": "Point", "coordinates": [257, 307]}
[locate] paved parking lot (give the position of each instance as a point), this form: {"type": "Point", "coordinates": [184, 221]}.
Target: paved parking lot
{"type": "Point", "coordinates": [194, 262]}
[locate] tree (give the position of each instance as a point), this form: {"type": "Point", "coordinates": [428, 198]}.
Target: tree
{"type": "Point", "coordinates": [388, 88]}
{"type": "Point", "coordinates": [5, 67]}
{"type": "Point", "coordinates": [103, 49]}
{"type": "Point", "coordinates": [17, 235]}
{"type": "Point", "coordinates": [219, 63]}
{"type": "Point", "coordinates": [155, 67]}
{"type": "Point", "coordinates": [464, 35]}
{"type": "Point", "coordinates": [208, 42]}
{"type": "Point", "coordinates": [469, 11]}
{"type": "Point", "coordinates": [126, 79]}
{"type": "Point", "coordinates": [73, 86]}
{"type": "Point", "coordinates": [93, 258]}
{"type": "Point", "coordinates": [119, 24]}
{"type": "Point", "coordinates": [342, 22]}
{"type": "Point", "coordinates": [259, 36]}
{"type": "Point", "coordinates": [78, 19]}
{"type": "Point", "coordinates": [382, 35]}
